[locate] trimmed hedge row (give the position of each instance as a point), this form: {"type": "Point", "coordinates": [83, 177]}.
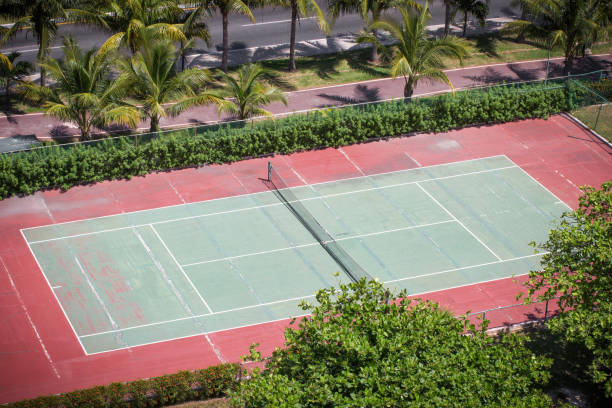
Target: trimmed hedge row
{"type": "Point", "coordinates": [28, 172]}
{"type": "Point", "coordinates": [161, 391]}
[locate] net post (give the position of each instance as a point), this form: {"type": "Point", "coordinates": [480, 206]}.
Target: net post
{"type": "Point", "coordinates": [269, 170]}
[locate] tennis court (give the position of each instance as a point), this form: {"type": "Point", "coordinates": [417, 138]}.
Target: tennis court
{"type": "Point", "coordinates": [150, 276]}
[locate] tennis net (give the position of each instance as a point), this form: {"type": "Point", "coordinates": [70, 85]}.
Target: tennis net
{"type": "Point", "coordinates": [338, 254]}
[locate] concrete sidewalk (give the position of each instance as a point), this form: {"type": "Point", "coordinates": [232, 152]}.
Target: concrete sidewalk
{"type": "Point", "coordinates": [45, 128]}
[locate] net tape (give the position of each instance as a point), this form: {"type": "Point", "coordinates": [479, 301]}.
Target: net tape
{"type": "Point", "coordinates": [338, 254]}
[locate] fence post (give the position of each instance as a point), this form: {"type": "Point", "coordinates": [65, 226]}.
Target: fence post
{"type": "Point", "coordinates": [484, 316]}
{"type": "Point", "coordinates": [597, 118]}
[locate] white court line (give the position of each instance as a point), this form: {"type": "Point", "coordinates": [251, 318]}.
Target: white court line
{"type": "Point", "coordinates": [272, 205]}
{"type": "Point", "coordinates": [200, 315]}
{"type": "Point", "coordinates": [93, 289]}
{"type": "Point", "coordinates": [351, 161]}
{"type": "Point", "coordinates": [27, 313]}
{"type": "Point", "coordinates": [426, 275]}
{"type": "Point", "coordinates": [541, 185]}
{"type": "Point", "coordinates": [181, 268]}
{"type": "Point", "coordinates": [267, 192]}
{"type": "Point", "coordinates": [298, 298]}
{"type": "Point", "coordinates": [271, 251]}
{"type": "Point", "coordinates": [460, 223]}
{"type": "Point", "coordinates": [195, 335]}
{"type": "Point", "coordinates": [54, 294]}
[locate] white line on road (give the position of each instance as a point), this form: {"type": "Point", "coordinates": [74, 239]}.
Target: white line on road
{"type": "Point", "coordinates": [275, 22]}
{"type": "Point", "coordinates": [30, 50]}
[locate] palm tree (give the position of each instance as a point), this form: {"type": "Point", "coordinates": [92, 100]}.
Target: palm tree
{"type": "Point", "coordinates": [301, 8]}
{"type": "Point", "coordinates": [249, 93]}
{"type": "Point", "coordinates": [38, 16]}
{"type": "Point", "coordinates": [226, 7]}
{"type": "Point", "coordinates": [524, 13]}
{"type": "Point", "coordinates": [193, 27]}
{"type": "Point", "coordinates": [84, 92]}
{"type": "Point", "coordinates": [417, 56]}
{"type": "Point", "coordinates": [12, 72]}
{"type": "Point", "coordinates": [363, 7]}
{"type": "Point", "coordinates": [477, 8]}
{"type": "Point", "coordinates": [569, 24]}
{"type": "Point", "coordinates": [130, 20]}
{"type": "Point", "coordinates": [448, 10]}
{"type": "Point", "coordinates": [151, 77]}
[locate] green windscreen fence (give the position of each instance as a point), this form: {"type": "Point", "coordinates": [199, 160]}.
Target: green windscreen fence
{"type": "Point", "coordinates": [338, 254]}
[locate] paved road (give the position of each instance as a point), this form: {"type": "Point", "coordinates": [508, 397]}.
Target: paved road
{"type": "Point", "coordinates": [271, 28]}
{"type": "Point", "coordinates": [44, 127]}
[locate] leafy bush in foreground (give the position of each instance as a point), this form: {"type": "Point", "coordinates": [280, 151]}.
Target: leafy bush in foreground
{"type": "Point", "coordinates": [161, 391]}
{"type": "Point", "coordinates": [27, 172]}
{"type": "Point", "coordinates": [577, 266]}
{"type": "Point", "coordinates": [360, 350]}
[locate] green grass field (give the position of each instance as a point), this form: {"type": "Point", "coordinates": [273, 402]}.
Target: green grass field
{"type": "Point", "coordinates": [598, 118]}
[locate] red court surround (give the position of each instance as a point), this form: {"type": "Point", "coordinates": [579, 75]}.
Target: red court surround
{"type": "Point", "coordinates": [38, 351]}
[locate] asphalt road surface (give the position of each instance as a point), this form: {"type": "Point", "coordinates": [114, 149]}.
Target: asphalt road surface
{"type": "Point", "coordinates": [272, 27]}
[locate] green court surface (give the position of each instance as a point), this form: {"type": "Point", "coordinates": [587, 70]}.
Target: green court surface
{"type": "Point", "coordinates": [149, 276]}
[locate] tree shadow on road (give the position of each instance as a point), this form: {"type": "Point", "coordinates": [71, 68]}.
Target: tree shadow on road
{"type": "Point", "coordinates": [363, 94]}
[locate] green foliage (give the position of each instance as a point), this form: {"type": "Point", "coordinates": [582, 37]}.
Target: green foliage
{"type": "Point", "coordinates": [417, 55]}
{"type": "Point", "coordinates": [161, 391]}
{"type": "Point", "coordinates": [477, 8]}
{"type": "Point", "coordinates": [83, 92]}
{"type": "Point", "coordinates": [572, 25]}
{"type": "Point", "coordinates": [151, 77]}
{"type": "Point", "coordinates": [603, 87]}
{"type": "Point", "coordinates": [359, 349]}
{"type": "Point", "coordinates": [61, 166]}
{"type": "Point", "coordinates": [249, 93]}
{"type": "Point", "coordinates": [135, 22]}
{"type": "Point", "coordinates": [11, 71]}
{"type": "Point", "coordinates": [577, 266]}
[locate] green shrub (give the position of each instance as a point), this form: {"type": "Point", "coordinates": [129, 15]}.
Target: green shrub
{"type": "Point", "coordinates": [66, 166]}
{"type": "Point", "coordinates": [161, 391]}
{"type": "Point", "coordinates": [358, 348]}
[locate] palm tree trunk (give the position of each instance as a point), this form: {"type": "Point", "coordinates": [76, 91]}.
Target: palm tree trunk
{"type": "Point", "coordinates": [182, 56]}
{"type": "Point", "coordinates": [447, 17]}
{"type": "Point", "coordinates": [374, 58]}
{"type": "Point", "coordinates": [42, 77]}
{"type": "Point", "coordinates": [521, 35]}
{"type": "Point", "coordinates": [154, 124]}
{"type": "Point", "coordinates": [294, 13]}
{"type": "Point", "coordinates": [7, 91]}
{"type": "Point", "coordinates": [225, 43]}
{"type": "Point", "coordinates": [408, 87]}
{"type": "Point", "coordinates": [568, 63]}
{"type": "Point", "coordinates": [465, 14]}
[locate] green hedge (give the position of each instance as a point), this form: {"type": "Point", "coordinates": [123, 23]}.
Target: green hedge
{"type": "Point", "coordinates": [28, 172]}
{"type": "Point", "coordinates": [161, 391]}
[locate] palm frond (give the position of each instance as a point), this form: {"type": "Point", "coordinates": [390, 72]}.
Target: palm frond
{"type": "Point", "coordinates": [204, 98]}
